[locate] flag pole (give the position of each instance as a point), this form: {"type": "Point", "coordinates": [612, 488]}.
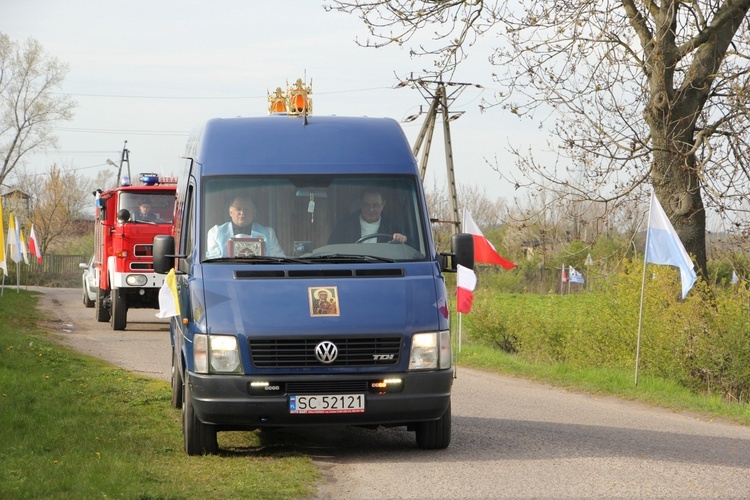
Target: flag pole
{"type": "Point", "coordinates": [460, 330]}
{"type": "Point", "coordinates": [562, 281]}
{"type": "Point", "coordinates": [643, 289]}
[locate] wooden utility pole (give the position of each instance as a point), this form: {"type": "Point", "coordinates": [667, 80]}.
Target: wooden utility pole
{"type": "Point", "coordinates": [439, 99]}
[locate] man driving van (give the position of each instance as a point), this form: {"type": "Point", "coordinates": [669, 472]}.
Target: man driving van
{"type": "Point", "coordinates": [368, 220]}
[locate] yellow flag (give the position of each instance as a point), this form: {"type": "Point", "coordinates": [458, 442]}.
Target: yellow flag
{"type": "Point", "coordinates": [169, 302]}
{"type": "Point", "coordinates": [15, 253]}
{"type": "Point", "coordinates": [3, 263]}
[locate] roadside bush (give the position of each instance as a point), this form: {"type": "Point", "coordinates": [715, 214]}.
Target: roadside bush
{"type": "Point", "coordinates": [702, 342]}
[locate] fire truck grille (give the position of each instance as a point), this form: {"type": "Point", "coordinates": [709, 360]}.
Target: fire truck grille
{"type": "Point", "coordinates": [295, 353]}
{"type": "Point", "coordinates": [143, 250]}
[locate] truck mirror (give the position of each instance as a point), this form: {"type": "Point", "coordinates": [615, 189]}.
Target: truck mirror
{"type": "Point", "coordinates": [462, 246]}
{"type": "Point", "coordinates": [163, 250]}
{"type": "Point", "coordinates": [123, 215]}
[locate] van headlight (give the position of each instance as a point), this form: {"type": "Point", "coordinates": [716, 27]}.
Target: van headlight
{"type": "Point", "coordinates": [430, 351]}
{"type": "Point", "coordinates": [216, 354]}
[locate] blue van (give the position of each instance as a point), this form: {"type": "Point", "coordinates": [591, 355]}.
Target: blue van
{"type": "Point", "coordinates": [310, 290]}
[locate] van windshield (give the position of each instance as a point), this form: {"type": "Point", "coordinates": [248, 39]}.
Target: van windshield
{"type": "Point", "coordinates": [315, 218]}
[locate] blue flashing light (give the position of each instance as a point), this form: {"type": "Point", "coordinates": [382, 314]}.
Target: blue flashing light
{"type": "Point", "coordinates": [149, 179]}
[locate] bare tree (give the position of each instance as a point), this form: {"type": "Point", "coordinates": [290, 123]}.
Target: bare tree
{"type": "Point", "coordinates": [58, 200]}
{"type": "Point", "coordinates": [485, 212]}
{"type": "Point", "coordinates": [641, 91]}
{"type": "Point", "coordinates": [29, 108]}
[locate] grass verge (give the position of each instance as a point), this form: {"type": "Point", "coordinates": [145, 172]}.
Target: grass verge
{"type": "Point", "coordinates": [76, 427]}
{"type": "Point", "coordinates": [605, 381]}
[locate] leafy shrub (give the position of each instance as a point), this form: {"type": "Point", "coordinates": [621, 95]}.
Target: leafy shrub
{"type": "Point", "coordinates": [702, 342]}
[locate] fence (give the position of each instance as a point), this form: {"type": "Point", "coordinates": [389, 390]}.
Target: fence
{"type": "Point", "coordinates": [55, 270]}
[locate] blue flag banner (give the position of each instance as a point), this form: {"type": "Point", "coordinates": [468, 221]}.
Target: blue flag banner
{"type": "Point", "coordinates": [664, 247]}
{"type": "Point", "coordinates": [575, 276]}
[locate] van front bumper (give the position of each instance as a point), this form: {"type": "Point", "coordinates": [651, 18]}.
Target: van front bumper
{"type": "Point", "coordinates": [229, 402]}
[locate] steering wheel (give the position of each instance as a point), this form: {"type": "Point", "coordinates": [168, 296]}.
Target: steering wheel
{"type": "Point", "coordinates": [374, 235]}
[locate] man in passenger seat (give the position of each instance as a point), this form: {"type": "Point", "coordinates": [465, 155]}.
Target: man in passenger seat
{"type": "Point", "coordinates": [242, 224]}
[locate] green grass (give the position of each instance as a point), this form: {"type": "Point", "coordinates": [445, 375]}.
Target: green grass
{"type": "Point", "coordinates": [75, 427]}
{"type": "Point", "coordinates": [605, 381]}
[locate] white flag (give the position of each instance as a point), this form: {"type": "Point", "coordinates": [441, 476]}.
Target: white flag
{"type": "Point", "coordinates": [664, 247]}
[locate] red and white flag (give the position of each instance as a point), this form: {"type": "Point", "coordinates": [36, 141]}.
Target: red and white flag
{"type": "Point", "coordinates": [564, 276]}
{"type": "Point", "coordinates": [34, 245]}
{"type": "Point", "coordinates": [466, 281]}
{"type": "Point", "coordinates": [484, 252]}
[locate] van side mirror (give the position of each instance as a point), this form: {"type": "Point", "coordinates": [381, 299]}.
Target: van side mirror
{"type": "Point", "coordinates": [163, 253]}
{"type": "Point", "coordinates": [462, 252]}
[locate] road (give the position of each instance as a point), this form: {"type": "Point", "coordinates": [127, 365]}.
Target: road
{"type": "Point", "coordinates": [511, 438]}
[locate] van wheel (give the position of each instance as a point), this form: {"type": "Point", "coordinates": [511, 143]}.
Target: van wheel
{"type": "Point", "coordinates": [102, 311]}
{"type": "Point", "coordinates": [200, 438]}
{"type": "Point", "coordinates": [435, 434]}
{"type": "Point", "coordinates": [119, 310]}
{"type": "Point", "coordinates": [176, 381]}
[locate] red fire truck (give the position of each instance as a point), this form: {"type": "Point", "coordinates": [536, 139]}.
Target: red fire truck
{"type": "Point", "coordinates": [127, 219]}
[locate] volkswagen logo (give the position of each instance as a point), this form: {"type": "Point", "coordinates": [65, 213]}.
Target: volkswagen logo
{"type": "Point", "coordinates": [326, 352]}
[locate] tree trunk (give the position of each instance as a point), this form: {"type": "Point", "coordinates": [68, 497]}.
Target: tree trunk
{"type": "Point", "coordinates": [677, 187]}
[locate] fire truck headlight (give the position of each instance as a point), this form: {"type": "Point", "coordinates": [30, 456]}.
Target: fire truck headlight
{"type": "Point", "coordinates": [136, 280]}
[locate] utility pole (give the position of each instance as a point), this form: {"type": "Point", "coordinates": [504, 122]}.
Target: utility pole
{"type": "Point", "coordinates": [439, 99]}
{"type": "Point", "coordinates": [124, 158]}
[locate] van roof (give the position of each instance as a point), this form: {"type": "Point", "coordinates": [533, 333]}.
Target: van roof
{"type": "Point", "coordinates": [282, 144]}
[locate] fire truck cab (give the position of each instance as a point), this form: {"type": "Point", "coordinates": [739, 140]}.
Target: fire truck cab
{"type": "Point", "coordinates": [127, 219]}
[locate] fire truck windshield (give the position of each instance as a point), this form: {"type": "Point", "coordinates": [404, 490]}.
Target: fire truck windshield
{"type": "Point", "coordinates": [149, 206]}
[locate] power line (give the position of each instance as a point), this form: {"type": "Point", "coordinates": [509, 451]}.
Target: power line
{"type": "Point", "coordinates": [207, 98]}
{"type": "Point", "coordinates": [134, 132]}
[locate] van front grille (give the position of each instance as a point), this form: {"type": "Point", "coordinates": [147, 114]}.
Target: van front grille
{"type": "Point", "coordinates": [300, 352]}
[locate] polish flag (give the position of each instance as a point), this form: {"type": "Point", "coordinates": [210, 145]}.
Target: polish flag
{"type": "Point", "coordinates": [484, 252]}
{"type": "Point", "coordinates": [34, 245]}
{"type": "Point", "coordinates": [466, 281]}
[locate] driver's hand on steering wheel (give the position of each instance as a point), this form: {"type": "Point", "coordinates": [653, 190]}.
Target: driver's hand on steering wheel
{"type": "Point", "coordinates": [399, 237]}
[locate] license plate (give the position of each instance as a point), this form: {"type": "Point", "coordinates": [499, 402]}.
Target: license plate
{"type": "Point", "coordinates": [338, 403]}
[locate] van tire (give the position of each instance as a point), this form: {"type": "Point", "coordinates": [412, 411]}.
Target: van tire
{"type": "Point", "coordinates": [119, 310]}
{"type": "Point", "coordinates": [200, 438]}
{"type": "Point", "coordinates": [102, 311]}
{"type": "Point", "coordinates": [435, 434]}
{"type": "Point", "coordinates": [176, 381]}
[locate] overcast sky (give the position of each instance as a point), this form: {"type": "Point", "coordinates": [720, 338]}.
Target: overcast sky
{"type": "Point", "coordinates": [148, 71]}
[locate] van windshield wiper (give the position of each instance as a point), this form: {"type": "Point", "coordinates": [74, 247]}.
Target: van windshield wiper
{"type": "Point", "coordinates": [262, 259]}
{"type": "Point", "coordinates": [343, 257]}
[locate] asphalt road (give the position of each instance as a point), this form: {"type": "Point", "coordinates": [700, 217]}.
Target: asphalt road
{"type": "Point", "coordinates": [511, 438]}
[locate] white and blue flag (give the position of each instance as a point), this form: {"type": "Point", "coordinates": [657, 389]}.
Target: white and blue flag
{"type": "Point", "coordinates": [575, 276]}
{"type": "Point", "coordinates": [664, 247]}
